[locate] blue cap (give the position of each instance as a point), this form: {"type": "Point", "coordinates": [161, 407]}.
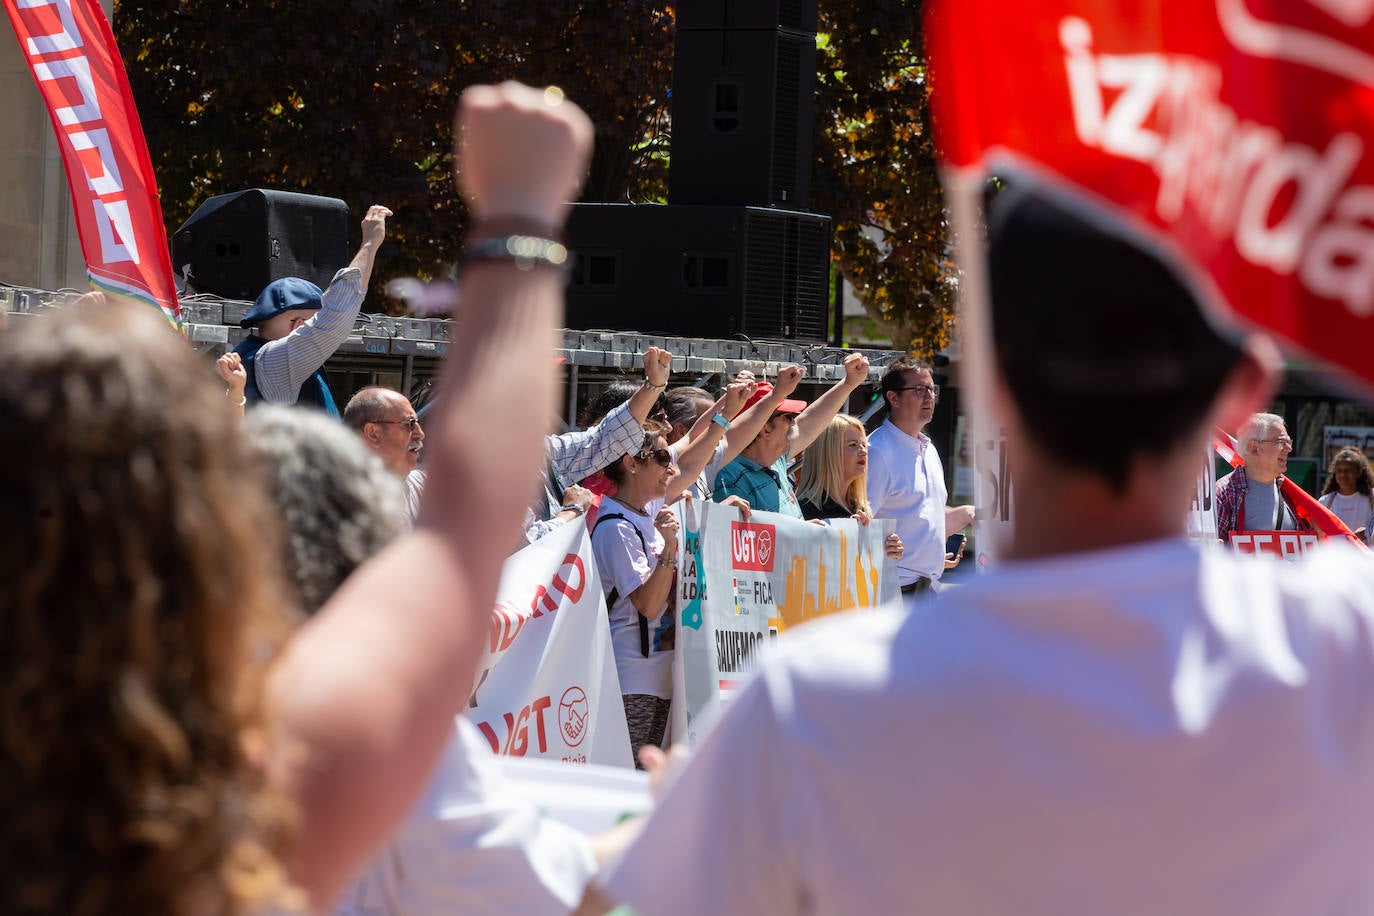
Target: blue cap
{"type": "Point", "coordinates": [282, 296]}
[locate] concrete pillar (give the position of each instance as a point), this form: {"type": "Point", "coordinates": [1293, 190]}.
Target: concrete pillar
{"type": "Point", "coordinates": [39, 245]}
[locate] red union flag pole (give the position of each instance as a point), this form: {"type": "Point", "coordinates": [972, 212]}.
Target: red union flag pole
{"type": "Point", "coordinates": [72, 55]}
{"type": "Point", "coordinates": [1232, 133]}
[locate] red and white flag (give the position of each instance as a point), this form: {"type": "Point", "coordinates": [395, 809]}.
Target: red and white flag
{"type": "Point", "coordinates": [72, 55]}
{"type": "Point", "coordinates": [1234, 133]}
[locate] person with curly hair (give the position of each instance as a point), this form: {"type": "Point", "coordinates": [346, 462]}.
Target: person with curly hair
{"type": "Point", "coordinates": [833, 481]}
{"type": "Point", "coordinates": [165, 746]}
{"type": "Point", "coordinates": [1349, 491]}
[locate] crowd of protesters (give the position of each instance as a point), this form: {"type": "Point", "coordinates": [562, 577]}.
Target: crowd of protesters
{"type": "Point", "coordinates": [237, 644]}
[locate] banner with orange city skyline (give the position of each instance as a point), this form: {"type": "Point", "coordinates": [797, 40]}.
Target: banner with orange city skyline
{"type": "Point", "coordinates": [741, 584]}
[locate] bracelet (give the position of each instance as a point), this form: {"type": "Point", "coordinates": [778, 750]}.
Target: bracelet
{"type": "Point", "coordinates": [242, 401]}
{"type": "Point", "coordinates": [720, 420]}
{"type": "Point", "coordinates": [526, 251]}
{"type": "Point", "coordinates": [571, 507]}
{"type": "Point", "coordinates": [652, 387]}
{"type": "Point", "coordinates": [665, 561]}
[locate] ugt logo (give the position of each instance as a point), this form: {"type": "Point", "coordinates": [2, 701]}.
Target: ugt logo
{"type": "Point", "coordinates": [752, 546]}
{"type": "Point", "coordinates": [574, 716]}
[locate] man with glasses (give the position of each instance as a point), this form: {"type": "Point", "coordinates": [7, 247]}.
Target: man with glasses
{"type": "Point", "coordinates": [906, 480]}
{"type": "Point", "coordinates": [1251, 497]}
{"type": "Point", "coordinates": [759, 474]}
{"type": "Point", "coordinates": [387, 424]}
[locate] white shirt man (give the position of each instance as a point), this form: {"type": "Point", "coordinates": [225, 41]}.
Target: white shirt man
{"type": "Point", "coordinates": [1114, 721]}
{"type": "Point", "coordinates": [389, 426]}
{"type": "Point", "coordinates": [906, 480]}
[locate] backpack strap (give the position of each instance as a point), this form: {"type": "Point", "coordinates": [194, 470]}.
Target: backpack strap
{"type": "Point", "coordinates": [615, 594]}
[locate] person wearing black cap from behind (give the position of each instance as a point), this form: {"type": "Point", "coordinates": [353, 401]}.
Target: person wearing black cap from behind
{"type": "Point", "coordinates": [1113, 720]}
{"type": "Point", "coordinates": [298, 327]}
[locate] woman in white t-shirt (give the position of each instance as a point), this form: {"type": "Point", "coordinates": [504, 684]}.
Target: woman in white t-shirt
{"type": "Point", "coordinates": [1349, 491]}
{"type": "Point", "coordinates": [635, 542]}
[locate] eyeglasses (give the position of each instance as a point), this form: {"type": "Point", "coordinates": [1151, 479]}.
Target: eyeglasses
{"type": "Point", "coordinates": [922, 391]}
{"type": "Point", "coordinates": [661, 455]}
{"type": "Point", "coordinates": [410, 423]}
{"type": "Point", "coordinates": [1281, 440]}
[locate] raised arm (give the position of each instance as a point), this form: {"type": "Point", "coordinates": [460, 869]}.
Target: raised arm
{"type": "Point", "coordinates": [812, 421]}
{"type": "Point", "coordinates": [747, 425]}
{"type": "Point", "coordinates": [703, 437]}
{"type": "Point", "coordinates": [282, 366]}
{"type": "Point", "coordinates": [658, 364]}
{"type": "Point", "coordinates": [367, 691]}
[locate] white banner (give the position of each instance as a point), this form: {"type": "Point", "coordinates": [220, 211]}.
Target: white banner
{"type": "Point", "coordinates": [547, 685]}
{"type": "Point", "coordinates": [742, 584]}
{"type": "Point", "coordinates": [1201, 524]}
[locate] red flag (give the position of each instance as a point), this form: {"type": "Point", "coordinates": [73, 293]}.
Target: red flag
{"type": "Point", "coordinates": [1307, 507]}
{"type": "Point", "coordinates": [72, 55]}
{"type": "Point", "coordinates": [1232, 133]}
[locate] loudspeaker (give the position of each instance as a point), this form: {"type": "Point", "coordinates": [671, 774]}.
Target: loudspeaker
{"type": "Point", "coordinates": [742, 118]}
{"type": "Point", "coordinates": [699, 271]}
{"type": "Point", "coordinates": [236, 244]}
{"type": "Point", "coordinates": [796, 15]}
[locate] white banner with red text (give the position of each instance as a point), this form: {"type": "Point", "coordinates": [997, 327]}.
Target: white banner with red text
{"type": "Point", "coordinates": [71, 53]}
{"type": "Point", "coordinates": [741, 584]}
{"type": "Point", "coordinates": [547, 685]}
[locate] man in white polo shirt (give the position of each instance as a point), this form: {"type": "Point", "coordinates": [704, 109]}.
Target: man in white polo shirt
{"type": "Point", "coordinates": [906, 480]}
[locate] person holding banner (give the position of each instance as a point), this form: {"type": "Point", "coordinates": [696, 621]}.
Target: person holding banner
{"type": "Point", "coordinates": [1251, 497]}
{"type": "Point", "coordinates": [298, 327]}
{"type": "Point", "coordinates": [833, 478]}
{"type": "Point", "coordinates": [635, 542]}
{"type": "Point", "coordinates": [1349, 491]}
{"type": "Point", "coordinates": [906, 480]}
{"type": "Point", "coordinates": [1114, 720]}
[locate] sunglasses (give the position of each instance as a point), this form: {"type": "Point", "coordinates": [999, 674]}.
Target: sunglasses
{"type": "Point", "coordinates": [661, 455]}
{"type": "Point", "coordinates": [409, 422]}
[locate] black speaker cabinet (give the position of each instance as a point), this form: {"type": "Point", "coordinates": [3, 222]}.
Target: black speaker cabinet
{"type": "Point", "coordinates": [797, 15]}
{"type": "Point", "coordinates": [236, 244]}
{"type": "Point", "coordinates": [700, 271]}
{"type": "Point", "coordinates": [742, 118]}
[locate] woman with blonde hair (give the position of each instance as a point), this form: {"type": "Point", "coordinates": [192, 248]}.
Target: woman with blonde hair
{"type": "Point", "coordinates": [1349, 491]}
{"type": "Point", "coordinates": [833, 481]}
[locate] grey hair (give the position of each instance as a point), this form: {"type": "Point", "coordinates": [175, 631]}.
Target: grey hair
{"type": "Point", "coordinates": [1256, 428]}
{"type": "Point", "coordinates": [681, 404]}
{"type": "Point", "coordinates": [338, 504]}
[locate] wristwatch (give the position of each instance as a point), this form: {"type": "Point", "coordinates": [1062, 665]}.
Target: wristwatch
{"type": "Point", "coordinates": [571, 507]}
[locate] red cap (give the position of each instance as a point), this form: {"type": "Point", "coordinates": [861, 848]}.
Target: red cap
{"type": "Point", "coordinates": [789, 405]}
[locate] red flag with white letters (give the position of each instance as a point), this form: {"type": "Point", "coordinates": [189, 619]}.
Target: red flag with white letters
{"type": "Point", "coordinates": [72, 55]}
{"type": "Point", "coordinates": [1235, 134]}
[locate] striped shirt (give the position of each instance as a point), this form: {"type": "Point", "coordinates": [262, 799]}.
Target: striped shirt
{"type": "Point", "coordinates": [282, 366]}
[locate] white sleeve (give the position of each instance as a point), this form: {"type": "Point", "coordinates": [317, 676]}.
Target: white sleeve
{"type": "Point", "coordinates": [723, 838]}
{"type": "Point", "coordinates": [879, 482]}
{"type": "Point", "coordinates": [619, 555]}
{"type": "Point", "coordinates": [473, 846]}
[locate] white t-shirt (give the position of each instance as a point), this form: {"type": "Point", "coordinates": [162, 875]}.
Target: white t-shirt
{"type": "Point", "coordinates": [472, 845]}
{"type": "Point", "coordinates": [1155, 729]}
{"type": "Point", "coordinates": [624, 566]}
{"type": "Point", "coordinates": [906, 482]}
{"type": "Point", "coordinates": [1355, 510]}
{"type": "Point", "coordinates": [414, 489]}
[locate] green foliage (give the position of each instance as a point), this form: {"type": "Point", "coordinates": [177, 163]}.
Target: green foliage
{"type": "Point", "coordinates": [354, 99]}
{"type": "Point", "coordinates": [875, 169]}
